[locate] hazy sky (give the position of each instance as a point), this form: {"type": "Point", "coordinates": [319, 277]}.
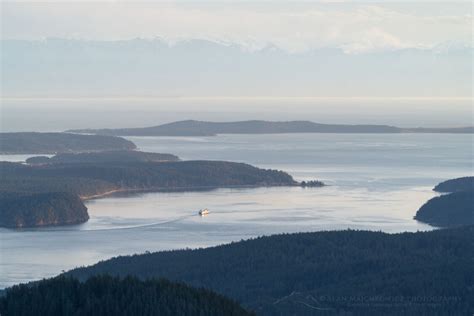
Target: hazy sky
{"type": "Point", "coordinates": [355, 26]}
{"type": "Point", "coordinates": [248, 49]}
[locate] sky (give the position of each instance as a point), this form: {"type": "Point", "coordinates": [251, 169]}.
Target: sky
{"type": "Point", "coordinates": [355, 26]}
{"type": "Point", "coordinates": [207, 53]}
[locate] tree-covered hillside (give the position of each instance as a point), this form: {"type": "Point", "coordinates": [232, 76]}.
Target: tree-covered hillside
{"type": "Point", "coordinates": [105, 296]}
{"type": "Point", "coordinates": [41, 209]}
{"type": "Point", "coordinates": [52, 143]}
{"type": "Point", "coordinates": [21, 179]}
{"type": "Point", "coordinates": [325, 273]}
{"type": "Point", "coordinates": [149, 175]}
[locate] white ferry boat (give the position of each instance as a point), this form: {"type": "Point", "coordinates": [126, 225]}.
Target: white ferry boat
{"type": "Point", "coordinates": [203, 212]}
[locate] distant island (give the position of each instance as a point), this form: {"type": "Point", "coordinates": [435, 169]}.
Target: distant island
{"type": "Point", "coordinates": [50, 193]}
{"type": "Point", "coordinates": [104, 156]}
{"type": "Point", "coordinates": [52, 143]}
{"type": "Point", "coordinates": [328, 273]}
{"type": "Point", "coordinates": [312, 184]}
{"type": "Point", "coordinates": [105, 295]}
{"type": "Point", "coordinates": [201, 128]}
{"type": "Point", "coordinates": [453, 209]}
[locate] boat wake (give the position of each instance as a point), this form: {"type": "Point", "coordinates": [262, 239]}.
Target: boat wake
{"type": "Point", "coordinates": [144, 225]}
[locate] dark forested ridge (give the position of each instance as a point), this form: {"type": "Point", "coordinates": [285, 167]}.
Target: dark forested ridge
{"type": "Point", "coordinates": [200, 128]}
{"type": "Point", "coordinates": [107, 296]}
{"type": "Point", "coordinates": [325, 273]}
{"type": "Point", "coordinates": [104, 156]}
{"type": "Point", "coordinates": [456, 185]}
{"type": "Point", "coordinates": [454, 209]}
{"type": "Point", "coordinates": [51, 143]}
{"type": "Point", "coordinates": [41, 209]}
{"type": "Point", "coordinates": [92, 179]}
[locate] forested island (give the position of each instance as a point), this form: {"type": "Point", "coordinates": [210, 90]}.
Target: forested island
{"type": "Point", "coordinates": [52, 143]}
{"type": "Point", "coordinates": [456, 185]}
{"type": "Point", "coordinates": [41, 209]}
{"type": "Point", "coordinates": [104, 156]}
{"type": "Point", "coordinates": [453, 209]}
{"type": "Point", "coordinates": [324, 273]}
{"type": "Point", "coordinates": [104, 295]}
{"type": "Point", "coordinates": [30, 186]}
{"type": "Point", "coordinates": [312, 184]}
{"type": "Point", "coordinates": [201, 128]}
{"type": "Point", "coordinates": [139, 176]}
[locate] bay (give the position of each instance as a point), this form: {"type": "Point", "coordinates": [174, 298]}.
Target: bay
{"type": "Point", "coordinates": [375, 182]}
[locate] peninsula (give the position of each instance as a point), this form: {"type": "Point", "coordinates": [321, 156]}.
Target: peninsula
{"type": "Point", "coordinates": [453, 209]}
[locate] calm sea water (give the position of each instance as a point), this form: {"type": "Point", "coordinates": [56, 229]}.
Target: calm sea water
{"type": "Point", "coordinates": [375, 182]}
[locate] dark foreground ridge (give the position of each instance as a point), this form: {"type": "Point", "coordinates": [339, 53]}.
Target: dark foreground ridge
{"type": "Point", "coordinates": [324, 273]}
{"type": "Point", "coordinates": [105, 296]}
{"type": "Point", "coordinates": [449, 210]}
{"type": "Point", "coordinates": [21, 184]}
{"type": "Point", "coordinates": [200, 128]}
{"type": "Point", "coordinates": [52, 143]}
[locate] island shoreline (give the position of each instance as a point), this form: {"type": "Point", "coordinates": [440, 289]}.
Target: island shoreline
{"type": "Point", "coordinates": [186, 189]}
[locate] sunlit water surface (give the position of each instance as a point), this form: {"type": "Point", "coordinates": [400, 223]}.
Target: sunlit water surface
{"type": "Point", "coordinates": [375, 182]}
